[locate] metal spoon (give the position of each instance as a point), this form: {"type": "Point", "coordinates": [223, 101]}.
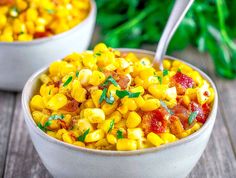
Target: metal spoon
{"type": "Point", "coordinates": [177, 14]}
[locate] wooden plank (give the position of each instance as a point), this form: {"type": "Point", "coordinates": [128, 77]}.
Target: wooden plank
{"type": "Point", "coordinates": [22, 159]}
{"type": "Point", "coordinates": [7, 102]}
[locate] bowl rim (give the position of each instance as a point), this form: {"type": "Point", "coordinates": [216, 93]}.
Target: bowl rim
{"type": "Point", "coordinates": [32, 125]}
{"type": "Point", "coordinates": [92, 12]}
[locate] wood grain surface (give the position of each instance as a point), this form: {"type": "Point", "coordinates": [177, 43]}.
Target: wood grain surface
{"type": "Point", "coordinates": [18, 158]}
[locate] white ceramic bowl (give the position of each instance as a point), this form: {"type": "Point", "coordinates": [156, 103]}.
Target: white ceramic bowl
{"type": "Point", "coordinates": [174, 160]}
{"type": "Point", "coordinates": [19, 60]}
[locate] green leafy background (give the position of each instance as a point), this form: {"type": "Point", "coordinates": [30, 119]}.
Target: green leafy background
{"type": "Point", "coordinates": [209, 25]}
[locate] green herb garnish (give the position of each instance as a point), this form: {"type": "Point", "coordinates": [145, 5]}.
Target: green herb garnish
{"type": "Point", "coordinates": [103, 96]}
{"type": "Point", "coordinates": [83, 136]}
{"type": "Point", "coordinates": [97, 54]}
{"type": "Point", "coordinates": [67, 81]}
{"type": "Point", "coordinates": [14, 12]}
{"type": "Point", "coordinates": [165, 72]}
{"type": "Point", "coordinates": [179, 70]}
{"type": "Point", "coordinates": [41, 127]}
{"type": "Point", "coordinates": [110, 79]}
{"type": "Point", "coordinates": [163, 104]}
{"type": "Point", "coordinates": [122, 93]}
{"type": "Point", "coordinates": [111, 125]}
{"type": "Point", "coordinates": [119, 134]}
{"type": "Point", "coordinates": [110, 100]}
{"type": "Point", "coordinates": [192, 117]}
{"type": "Point", "coordinates": [50, 11]}
{"type": "Point", "coordinates": [160, 79]}
{"type": "Point", "coordinates": [53, 117]}
{"type": "Point", "coordinates": [77, 73]}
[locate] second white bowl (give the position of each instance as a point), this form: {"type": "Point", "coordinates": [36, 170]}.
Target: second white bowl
{"type": "Point", "coordinates": [18, 60]}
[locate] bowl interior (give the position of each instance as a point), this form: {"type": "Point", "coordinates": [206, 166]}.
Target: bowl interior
{"type": "Point", "coordinates": [33, 85]}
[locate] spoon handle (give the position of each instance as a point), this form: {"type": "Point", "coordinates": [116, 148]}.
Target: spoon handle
{"type": "Point", "coordinates": [177, 14]}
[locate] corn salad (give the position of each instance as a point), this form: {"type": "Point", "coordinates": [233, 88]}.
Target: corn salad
{"type": "Point", "coordinates": [105, 99]}
{"type": "Point", "coordinates": [25, 20]}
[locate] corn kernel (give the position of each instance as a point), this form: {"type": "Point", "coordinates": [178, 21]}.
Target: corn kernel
{"type": "Point", "coordinates": [150, 105]}
{"type": "Point", "coordinates": [97, 78]}
{"type": "Point", "coordinates": [135, 134]}
{"type": "Point", "coordinates": [111, 139]}
{"type": "Point", "coordinates": [83, 125]}
{"type": "Point", "coordinates": [167, 137]}
{"type": "Point", "coordinates": [95, 95]}
{"type": "Point", "coordinates": [95, 136]}
{"type": "Point", "coordinates": [158, 91]}
{"type": "Point", "coordinates": [78, 143]}
{"type": "Point", "coordinates": [67, 138]}
{"type": "Point", "coordinates": [57, 102]}
{"type": "Point", "coordinates": [133, 120]}
{"type": "Point", "coordinates": [125, 144]}
{"type": "Point", "coordinates": [84, 76]}
{"type": "Point", "coordinates": [154, 139]}
{"type": "Point", "coordinates": [94, 115]}
{"type": "Point", "coordinates": [37, 102]}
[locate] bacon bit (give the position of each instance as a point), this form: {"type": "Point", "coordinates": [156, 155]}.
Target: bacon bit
{"type": "Point", "coordinates": [71, 106]}
{"type": "Point", "coordinates": [6, 2]}
{"type": "Point", "coordinates": [123, 81]}
{"type": "Point", "coordinates": [154, 121]}
{"type": "Point", "coordinates": [183, 114]}
{"type": "Point", "coordinates": [47, 33]}
{"type": "Point", "coordinates": [203, 111]}
{"type": "Point", "coordinates": [206, 94]}
{"type": "Point", "coordinates": [182, 82]}
{"type": "Point", "coordinates": [57, 84]}
{"type": "Point", "coordinates": [62, 124]}
{"type": "Point", "coordinates": [176, 126]}
{"type": "Point", "coordinates": [72, 135]}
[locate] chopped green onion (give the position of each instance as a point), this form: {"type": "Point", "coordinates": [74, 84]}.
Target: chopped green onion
{"type": "Point", "coordinates": [97, 54]}
{"type": "Point", "coordinates": [41, 127]}
{"type": "Point", "coordinates": [83, 136]}
{"type": "Point", "coordinates": [165, 72]}
{"type": "Point", "coordinates": [50, 11]}
{"type": "Point", "coordinates": [53, 117]}
{"type": "Point", "coordinates": [14, 12]}
{"type": "Point", "coordinates": [77, 73]}
{"type": "Point", "coordinates": [103, 96]}
{"type": "Point", "coordinates": [67, 81]}
{"type": "Point", "coordinates": [110, 79]}
{"type": "Point", "coordinates": [192, 117]}
{"type": "Point", "coordinates": [122, 93]}
{"type": "Point", "coordinates": [110, 100]}
{"type": "Point", "coordinates": [179, 70]}
{"type": "Point", "coordinates": [163, 104]}
{"type": "Point", "coordinates": [119, 134]}
{"type": "Point", "coordinates": [160, 79]}
{"type": "Point", "coordinates": [111, 125]}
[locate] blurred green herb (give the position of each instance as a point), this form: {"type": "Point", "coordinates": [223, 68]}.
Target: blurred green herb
{"type": "Point", "coordinates": [209, 25]}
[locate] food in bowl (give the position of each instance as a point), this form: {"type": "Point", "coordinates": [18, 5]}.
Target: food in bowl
{"type": "Point", "coordinates": [105, 99]}
{"type": "Point", "coordinates": [25, 20]}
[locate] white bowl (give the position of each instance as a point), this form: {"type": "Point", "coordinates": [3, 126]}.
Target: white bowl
{"type": "Point", "coordinates": [19, 60]}
{"type": "Point", "coordinates": [174, 160]}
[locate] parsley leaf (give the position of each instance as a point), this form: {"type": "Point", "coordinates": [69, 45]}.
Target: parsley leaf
{"type": "Point", "coordinates": [163, 104]}
{"type": "Point", "coordinates": [67, 81]}
{"type": "Point", "coordinates": [160, 79]}
{"type": "Point", "coordinates": [111, 125]}
{"type": "Point", "coordinates": [119, 134]}
{"type": "Point", "coordinates": [122, 93]}
{"type": "Point", "coordinates": [41, 127]}
{"type": "Point", "coordinates": [83, 136]}
{"type": "Point", "coordinates": [53, 117]}
{"type": "Point", "coordinates": [165, 72]}
{"type": "Point", "coordinates": [50, 11]}
{"type": "Point", "coordinates": [103, 96]}
{"type": "Point", "coordinates": [192, 117]}
{"type": "Point", "coordinates": [110, 79]}
{"type": "Point", "coordinates": [77, 73]}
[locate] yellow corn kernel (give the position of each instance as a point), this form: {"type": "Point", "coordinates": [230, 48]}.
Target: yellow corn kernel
{"type": "Point", "coordinates": [172, 103]}
{"type": "Point", "coordinates": [78, 143]}
{"type": "Point", "coordinates": [57, 102]}
{"type": "Point", "coordinates": [55, 67]}
{"type": "Point", "coordinates": [186, 100]}
{"type": "Point", "coordinates": [131, 57]}
{"type": "Point", "coordinates": [212, 95]}
{"type": "Point", "coordinates": [191, 92]}
{"type": "Point", "coordinates": [171, 93]}
{"type": "Point", "coordinates": [107, 125]}
{"type": "Point", "coordinates": [125, 144]}
{"type": "Point", "coordinates": [97, 78]}
{"type": "Point", "coordinates": [146, 73]}
{"type": "Point", "coordinates": [137, 89]}
{"type": "Point", "coordinates": [89, 60]}
{"type": "Point", "coordinates": [121, 125]}
{"type": "Point", "coordinates": [94, 115]}
{"type": "Point", "coordinates": [67, 138]}
{"type": "Point", "coordinates": [83, 125]}
{"type": "Point", "coordinates": [130, 103]}
{"type": "Point", "coordinates": [150, 105]}
{"type": "Point", "coordinates": [67, 68]}
{"type": "Point", "coordinates": [95, 95]}
{"type": "Point", "coordinates": [144, 143]}
{"type": "Point", "coordinates": [78, 92]}
{"type": "Point", "coordinates": [89, 103]}
{"type": "Point", "coordinates": [51, 133]}
{"type": "Point", "coordinates": [167, 137]}
{"type": "Point", "coordinates": [123, 109]}
{"type": "Point", "coordinates": [158, 91]}
{"type": "Point", "coordinates": [109, 108]}
{"type": "Point", "coordinates": [100, 47]}
{"type": "Point", "coordinates": [101, 143]}
{"type": "Point", "coordinates": [84, 76]}
{"type": "Point", "coordinates": [196, 77]}
{"type": "Point", "coordinates": [37, 102]}
{"type": "Point", "coordinates": [95, 136]}
{"type": "Point", "coordinates": [6, 37]}
{"type": "Point", "coordinates": [154, 139]}
{"type": "Point", "coordinates": [3, 21]}
{"type": "Point", "coordinates": [139, 101]}
{"type": "Point", "coordinates": [201, 93]}
{"type": "Point", "coordinates": [111, 139]}
{"type": "Point", "coordinates": [38, 115]}
{"type": "Point", "coordinates": [133, 120]}
{"type": "Point", "coordinates": [138, 81]}
{"type": "Point", "coordinates": [166, 64]}
{"type": "Point", "coordinates": [45, 79]}
{"type": "Point", "coordinates": [60, 132]}
{"type": "Point", "coordinates": [116, 116]}
{"type": "Point", "coordinates": [135, 134]}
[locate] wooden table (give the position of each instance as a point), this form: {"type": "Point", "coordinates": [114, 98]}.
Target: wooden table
{"type": "Point", "coordinates": [18, 158]}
